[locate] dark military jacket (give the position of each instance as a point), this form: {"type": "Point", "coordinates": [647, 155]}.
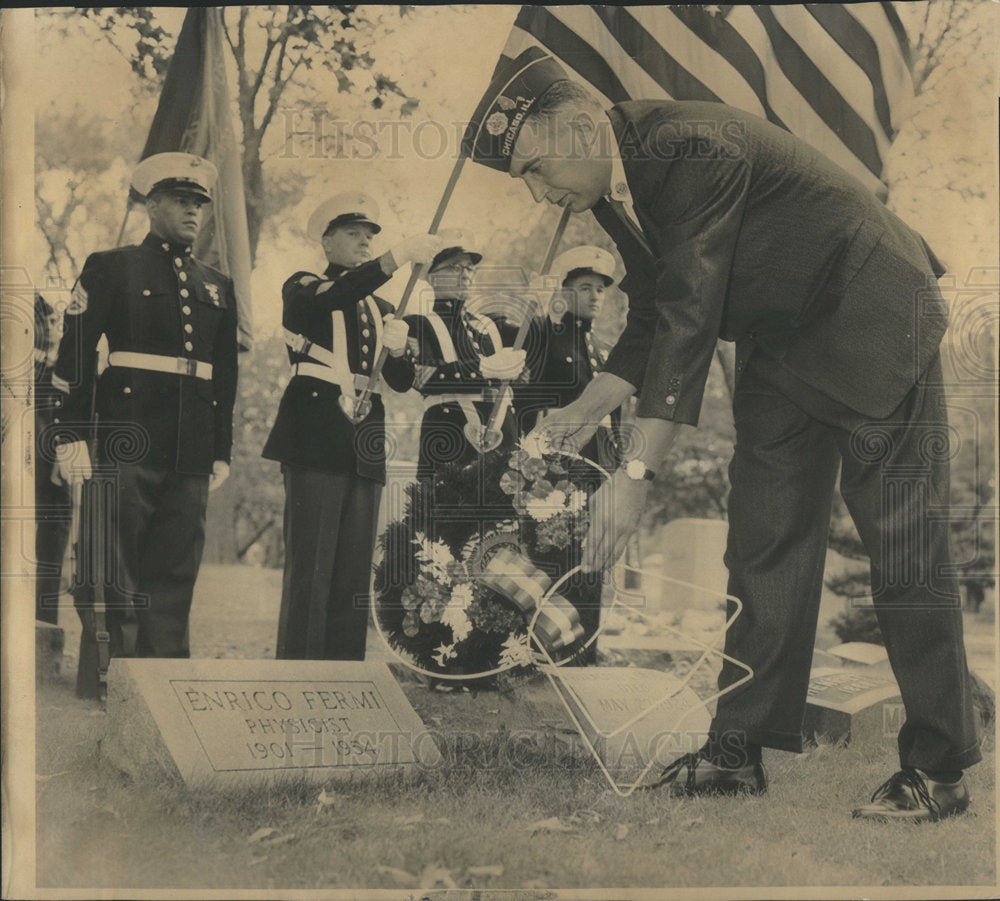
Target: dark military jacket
{"type": "Point", "coordinates": [151, 298]}
{"type": "Point", "coordinates": [570, 356]}
{"type": "Point", "coordinates": [756, 237]}
{"type": "Point", "coordinates": [311, 431]}
{"type": "Point", "coordinates": [449, 342]}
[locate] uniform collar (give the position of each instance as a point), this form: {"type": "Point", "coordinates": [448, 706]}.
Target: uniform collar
{"type": "Point", "coordinates": [155, 242]}
{"type": "Point", "coordinates": [447, 305]}
{"type": "Point", "coordinates": [335, 270]}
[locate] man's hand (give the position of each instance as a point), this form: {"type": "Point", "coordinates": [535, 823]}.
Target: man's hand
{"type": "Point", "coordinates": [615, 510]}
{"type": "Point", "coordinates": [418, 249]}
{"type": "Point", "coordinates": [394, 335]}
{"type": "Point", "coordinates": [505, 364]}
{"type": "Point", "coordinates": [72, 462]}
{"type": "Point", "coordinates": [565, 429]}
{"type": "Point", "coordinates": [220, 472]}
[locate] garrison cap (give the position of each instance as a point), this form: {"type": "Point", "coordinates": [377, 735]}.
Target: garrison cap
{"type": "Point", "coordinates": [457, 243]}
{"type": "Point", "coordinates": [584, 259]}
{"type": "Point", "coordinates": [175, 171]}
{"type": "Point", "coordinates": [513, 92]}
{"type": "Point", "coordinates": [348, 208]}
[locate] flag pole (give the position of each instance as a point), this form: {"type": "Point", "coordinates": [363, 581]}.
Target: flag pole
{"type": "Point", "coordinates": [121, 231]}
{"type": "Point", "coordinates": [362, 406]}
{"type": "Point", "coordinates": [490, 437]}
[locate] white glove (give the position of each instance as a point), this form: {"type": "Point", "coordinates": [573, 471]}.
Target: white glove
{"type": "Point", "coordinates": [505, 364]}
{"type": "Point", "coordinates": [418, 249]}
{"type": "Point", "coordinates": [394, 335]}
{"type": "Point", "coordinates": [220, 472]}
{"type": "Point", "coordinates": [73, 460]}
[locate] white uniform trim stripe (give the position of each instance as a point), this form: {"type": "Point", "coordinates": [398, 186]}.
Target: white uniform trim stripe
{"type": "Point", "coordinates": [443, 336]}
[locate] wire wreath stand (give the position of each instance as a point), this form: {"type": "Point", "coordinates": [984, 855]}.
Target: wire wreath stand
{"type": "Point", "coordinates": [711, 654]}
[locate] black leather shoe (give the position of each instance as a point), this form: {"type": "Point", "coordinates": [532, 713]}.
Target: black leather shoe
{"type": "Point", "coordinates": [911, 796]}
{"type": "Point", "coordinates": [692, 775]}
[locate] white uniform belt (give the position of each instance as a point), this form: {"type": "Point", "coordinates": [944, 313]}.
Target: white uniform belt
{"type": "Point", "coordinates": [326, 374]}
{"type": "Point", "coordinates": [158, 363]}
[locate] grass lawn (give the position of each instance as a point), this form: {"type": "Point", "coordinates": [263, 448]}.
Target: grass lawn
{"type": "Point", "coordinates": [469, 825]}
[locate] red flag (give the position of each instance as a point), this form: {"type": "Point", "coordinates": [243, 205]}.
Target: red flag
{"type": "Point", "coordinates": [194, 116]}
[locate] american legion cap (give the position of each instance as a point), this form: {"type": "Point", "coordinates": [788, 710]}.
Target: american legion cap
{"type": "Point", "coordinates": [584, 259]}
{"type": "Point", "coordinates": [175, 171]}
{"type": "Point", "coordinates": [515, 89]}
{"type": "Point", "coordinates": [457, 243]}
{"type": "Point", "coordinates": [348, 208]}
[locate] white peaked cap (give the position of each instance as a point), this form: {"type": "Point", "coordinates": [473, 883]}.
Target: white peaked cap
{"type": "Point", "coordinates": [175, 171]}
{"type": "Point", "coordinates": [343, 209]}
{"type": "Point", "coordinates": [587, 258]}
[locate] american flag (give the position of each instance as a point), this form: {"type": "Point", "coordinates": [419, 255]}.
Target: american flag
{"type": "Point", "coordinates": [836, 75]}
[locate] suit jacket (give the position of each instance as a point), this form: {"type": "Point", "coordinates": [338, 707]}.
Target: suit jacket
{"type": "Point", "coordinates": [311, 431]}
{"type": "Point", "coordinates": [151, 298]}
{"type": "Point", "coordinates": [758, 238]}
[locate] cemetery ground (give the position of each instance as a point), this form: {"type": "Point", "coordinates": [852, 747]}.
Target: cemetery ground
{"type": "Point", "coordinates": [514, 804]}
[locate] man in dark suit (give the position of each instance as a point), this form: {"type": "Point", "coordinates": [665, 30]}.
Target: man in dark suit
{"type": "Point", "coordinates": [164, 411]}
{"type": "Point", "coordinates": [731, 228]}
{"type": "Point", "coordinates": [334, 469]}
{"type": "Point", "coordinates": [457, 352]}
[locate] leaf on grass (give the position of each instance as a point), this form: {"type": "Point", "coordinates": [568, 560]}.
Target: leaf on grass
{"type": "Point", "coordinates": [433, 874]}
{"type": "Point", "coordinates": [256, 860]}
{"type": "Point", "coordinates": [586, 814]}
{"type": "Point", "coordinates": [260, 834]}
{"type": "Point", "coordinates": [621, 830]}
{"type": "Point", "coordinates": [653, 822]}
{"type": "Point", "coordinates": [401, 876]}
{"type": "Point", "coordinates": [282, 839]}
{"type": "Point", "coordinates": [325, 799]}
{"type": "Point", "coordinates": [409, 821]}
{"type": "Point", "coordinates": [552, 824]}
{"type": "Point", "coordinates": [491, 870]}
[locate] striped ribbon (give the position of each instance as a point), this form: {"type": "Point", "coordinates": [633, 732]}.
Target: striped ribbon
{"type": "Point", "coordinates": [514, 576]}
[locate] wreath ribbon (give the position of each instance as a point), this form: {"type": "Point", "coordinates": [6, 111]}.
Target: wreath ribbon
{"type": "Point", "coordinates": [511, 574]}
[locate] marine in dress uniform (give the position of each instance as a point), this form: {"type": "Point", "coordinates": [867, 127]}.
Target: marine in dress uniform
{"type": "Point", "coordinates": [571, 356]}
{"type": "Point", "coordinates": [335, 328]}
{"type": "Point", "coordinates": [457, 353]}
{"type": "Point", "coordinates": [732, 228]}
{"type": "Point", "coordinates": [53, 504]}
{"type": "Point", "coordinates": [163, 410]}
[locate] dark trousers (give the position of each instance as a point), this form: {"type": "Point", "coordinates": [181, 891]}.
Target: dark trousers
{"type": "Point", "coordinates": [53, 512]}
{"type": "Point", "coordinates": [330, 522]}
{"type": "Point", "coordinates": [790, 442]}
{"type": "Point", "coordinates": [153, 527]}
